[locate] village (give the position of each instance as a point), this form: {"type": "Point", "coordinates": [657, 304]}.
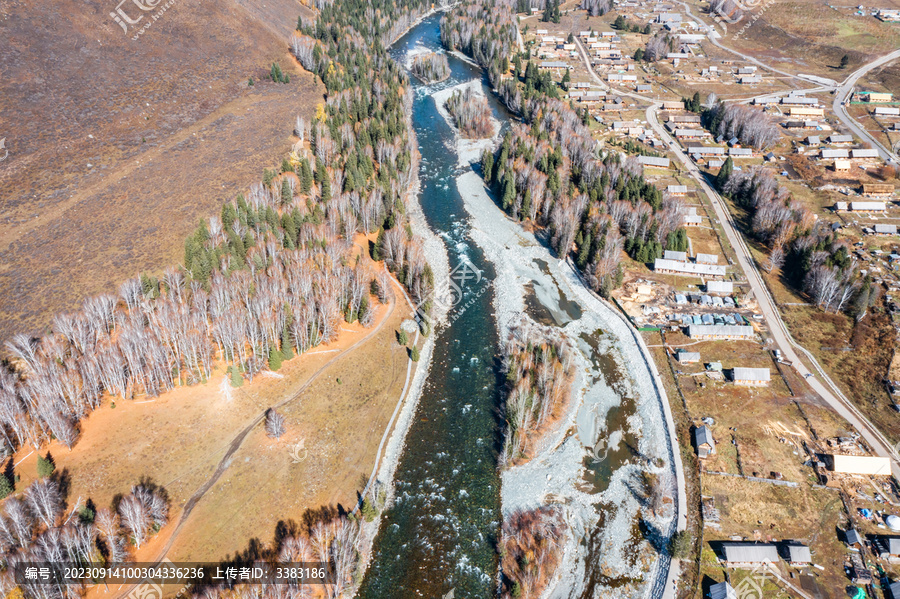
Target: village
{"type": "Point", "coordinates": [792, 499]}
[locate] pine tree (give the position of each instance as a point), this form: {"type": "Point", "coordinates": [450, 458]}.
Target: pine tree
{"type": "Point", "coordinates": [487, 165]}
{"type": "Point", "coordinates": [45, 466]}
{"type": "Point", "coordinates": [6, 487]}
{"type": "Point", "coordinates": [274, 359]}
{"type": "Point", "coordinates": [724, 173]}
{"type": "Point", "coordinates": [287, 348]}
{"type": "Point", "coordinates": [306, 176]}
{"type": "Point", "coordinates": [414, 354]}
{"type": "Point", "coordinates": [286, 193]}
{"type": "Point", "coordinates": [402, 338]}
{"type": "Point", "coordinates": [237, 380]}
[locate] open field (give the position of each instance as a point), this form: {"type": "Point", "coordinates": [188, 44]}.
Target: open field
{"type": "Point", "coordinates": [106, 136]}
{"type": "Point", "coordinates": [859, 370]}
{"type": "Point", "coordinates": [335, 413]}
{"type": "Point", "coordinates": [763, 512]}
{"type": "Point", "coordinates": [808, 36]}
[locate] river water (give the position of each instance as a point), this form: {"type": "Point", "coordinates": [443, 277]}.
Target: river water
{"type": "Point", "coordinates": [441, 532]}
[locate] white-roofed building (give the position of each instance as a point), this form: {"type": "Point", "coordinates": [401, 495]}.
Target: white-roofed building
{"type": "Point", "coordinates": [749, 554]}
{"type": "Point", "coordinates": [673, 255]}
{"type": "Point", "coordinates": [864, 153]}
{"type": "Point", "coordinates": [835, 153]}
{"type": "Point", "coordinates": [707, 259]}
{"type": "Point", "coordinates": [720, 331]}
{"type": "Point", "coordinates": [654, 161]}
{"type": "Point", "coordinates": [722, 590]}
{"type": "Point", "coordinates": [885, 229]}
{"type": "Point", "coordinates": [858, 464]}
{"type": "Point", "coordinates": [868, 206]}
{"type": "Point", "coordinates": [751, 377]}
{"type": "Point", "coordinates": [720, 287]}
{"type": "Point", "coordinates": [689, 268]}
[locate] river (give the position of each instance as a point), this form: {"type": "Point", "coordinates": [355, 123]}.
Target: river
{"type": "Point", "coordinates": [440, 534]}
{"type": "Point", "coordinates": [439, 538]}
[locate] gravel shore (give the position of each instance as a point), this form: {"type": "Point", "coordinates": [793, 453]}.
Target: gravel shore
{"type": "Point", "coordinates": [558, 473]}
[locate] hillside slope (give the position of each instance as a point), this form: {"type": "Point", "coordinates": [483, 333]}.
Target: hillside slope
{"type": "Point", "coordinates": [117, 146]}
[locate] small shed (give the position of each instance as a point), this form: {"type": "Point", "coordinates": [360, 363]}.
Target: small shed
{"type": "Point", "coordinates": [893, 590]}
{"type": "Point", "coordinates": [722, 590]}
{"type": "Point", "coordinates": [852, 537]}
{"type": "Point", "coordinates": [707, 259]}
{"type": "Point", "coordinates": [841, 166]}
{"type": "Point", "coordinates": [703, 441]}
{"type": "Point", "coordinates": [726, 287]}
{"type": "Point", "coordinates": [798, 554]}
{"type": "Point", "coordinates": [687, 357]}
{"type": "Point", "coordinates": [887, 546]}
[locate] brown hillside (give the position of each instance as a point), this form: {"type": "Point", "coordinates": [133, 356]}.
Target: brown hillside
{"type": "Point", "coordinates": [117, 146]}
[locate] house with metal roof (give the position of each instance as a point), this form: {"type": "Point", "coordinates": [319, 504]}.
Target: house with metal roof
{"type": "Point", "coordinates": [673, 255]}
{"type": "Point", "coordinates": [726, 287]}
{"type": "Point", "coordinates": [654, 161]}
{"type": "Point", "coordinates": [887, 547]}
{"type": "Point", "coordinates": [798, 554]}
{"type": "Point", "coordinates": [864, 153]}
{"type": "Point", "coordinates": [885, 229]}
{"type": "Point", "coordinates": [893, 590]}
{"type": "Point", "coordinates": [738, 555]}
{"type": "Point", "coordinates": [707, 259]}
{"type": "Point", "coordinates": [703, 441]}
{"type": "Point", "coordinates": [687, 357]}
{"type": "Point", "coordinates": [834, 153]}
{"type": "Point", "coordinates": [840, 139]}
{"type": "Point", "coordinates": [663, 265]}
{"type": "Point", "coordinates": [722, 590]}
{"type": "Point", "coordinates": [868, 206]}
{"type": "Point", "coordinates": [852, 537]}
{"type": "Point", "coordinates": [858, 464]}
{"type": "Point", "coordinates": [677, 190]}
{"type": "Point", "coordinates": [720, 331]}
{"type": "Point", "coordinates": [751, 377]}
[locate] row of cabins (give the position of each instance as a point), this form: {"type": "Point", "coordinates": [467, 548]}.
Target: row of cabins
{"type": "Point", "coordinates": [664, 266]}
{"type": "Point", "coordinates": [857, 153]}
{"type": "Point", "coordinates": [751, 554]}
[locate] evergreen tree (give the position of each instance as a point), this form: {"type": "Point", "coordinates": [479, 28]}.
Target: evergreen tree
{"type": "Point", "coordinates": [414, 354]}
{"type": "Point", "coordinates": [6, 487]}
{"type": "Point", "coordinates": [287, 348]}
{"type": "Point", "coordinates": [402, 338]}
{"type": "Point", "coordinates": [487, 165]}
{"type": "Point", "coordinates": [306, 176]}
{"type": "Point", "coordinates": [724, 173]}
{"type": "Point", "coordinates": [235, 375]}
{"type": "Point", "coordinates": [286, 194]}
{"type": "Point", "coordinates": [45, 465]}
{"type": "Point", "coordinates": [274, 359]}
{"type": "Point", "coordinates": [845, 60]}
{"type": "Point", "coordinates": [619, 23]}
